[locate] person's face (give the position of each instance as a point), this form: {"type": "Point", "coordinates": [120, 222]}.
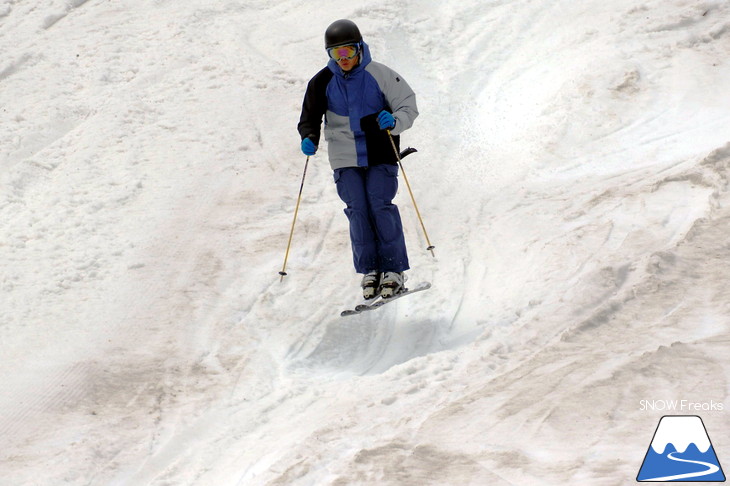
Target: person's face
{"type": "Point", "coordinates": [347, 57]}
{"type": "Point", "coordinates": [348, 64]}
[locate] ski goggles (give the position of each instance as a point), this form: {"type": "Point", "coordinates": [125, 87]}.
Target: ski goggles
{"type": "Point", "coordinates": [340, 53]}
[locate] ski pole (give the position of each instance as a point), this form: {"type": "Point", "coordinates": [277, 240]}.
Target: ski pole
{"type": "Point", "coordinates": [415, 206]}
{"type": "Point", "coordinates": [291, 233]}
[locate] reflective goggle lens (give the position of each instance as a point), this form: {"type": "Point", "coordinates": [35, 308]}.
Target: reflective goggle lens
{"type": "Point", "coordinates": [343, 52]}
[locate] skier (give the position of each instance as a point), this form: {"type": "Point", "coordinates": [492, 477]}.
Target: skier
{"type": "Point", "coordinates": [364, 104]}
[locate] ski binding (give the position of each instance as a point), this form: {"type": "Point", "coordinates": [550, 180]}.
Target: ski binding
{"type": "Point", "coordinates": [380, 302]}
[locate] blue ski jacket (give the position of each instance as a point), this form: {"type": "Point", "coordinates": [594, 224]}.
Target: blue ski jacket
{"type": "Point", "coordinates": [350, 103]}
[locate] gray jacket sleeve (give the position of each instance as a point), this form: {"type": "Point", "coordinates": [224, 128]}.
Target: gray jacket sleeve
{"type": "Point", "coordinates": [398, 94]}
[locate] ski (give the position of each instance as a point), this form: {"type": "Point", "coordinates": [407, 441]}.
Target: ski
{"type": "Point", "coordinates": [380, 302]}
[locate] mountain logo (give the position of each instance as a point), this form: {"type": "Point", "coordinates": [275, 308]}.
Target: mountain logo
{"type": "Point", "coordinates": [680, 451]}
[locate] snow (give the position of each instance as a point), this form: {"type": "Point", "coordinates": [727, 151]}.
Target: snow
{"type": "Point", "coordinates": [572, 173]}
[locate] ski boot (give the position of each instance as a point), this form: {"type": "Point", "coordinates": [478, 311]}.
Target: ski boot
{"type": "Point", "coordinates": [391, 284]}
{"type": "Point", "coordinates": [370, 285]}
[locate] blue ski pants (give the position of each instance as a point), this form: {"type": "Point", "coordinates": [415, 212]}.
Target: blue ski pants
{"type": "Point", "coordinates": [376, 230]}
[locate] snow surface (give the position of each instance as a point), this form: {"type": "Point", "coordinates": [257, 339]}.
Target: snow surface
{"type": "Point", "coordinates": [572, 172]}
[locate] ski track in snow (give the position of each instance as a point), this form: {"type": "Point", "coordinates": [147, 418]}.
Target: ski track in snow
{"type": "Point", "coordinates": [572, 172]}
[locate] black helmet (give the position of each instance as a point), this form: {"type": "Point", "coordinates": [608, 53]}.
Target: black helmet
{"type": "Point", "coordinates": [340, 33]}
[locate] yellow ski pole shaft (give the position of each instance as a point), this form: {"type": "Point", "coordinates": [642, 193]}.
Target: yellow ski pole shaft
{"type": "Point", "coordinates": [408, 185]}
{"type": "Point", "coordinates": [291, 233]}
